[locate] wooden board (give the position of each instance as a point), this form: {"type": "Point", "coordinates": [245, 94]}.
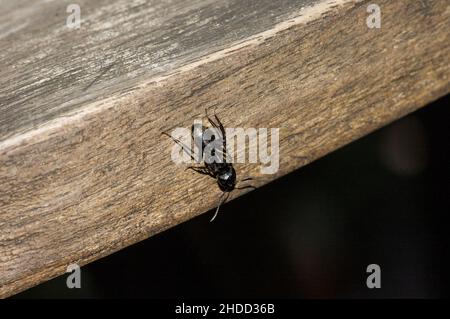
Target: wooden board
{"type": "Point", "coordinates": [84, 170]}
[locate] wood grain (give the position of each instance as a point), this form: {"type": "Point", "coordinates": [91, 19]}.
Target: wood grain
{"type": "Point", "coordinates": [84, 171]}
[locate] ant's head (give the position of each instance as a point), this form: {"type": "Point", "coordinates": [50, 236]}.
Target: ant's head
{"type": "Point", "coordinates": [227, 179]}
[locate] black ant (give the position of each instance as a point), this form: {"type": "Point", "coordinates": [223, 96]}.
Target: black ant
{"type": "Point", "coordinates": [222, 171]}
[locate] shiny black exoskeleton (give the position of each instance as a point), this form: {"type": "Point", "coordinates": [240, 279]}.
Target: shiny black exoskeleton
{"type": "Point", "coordinates": [222, 171]}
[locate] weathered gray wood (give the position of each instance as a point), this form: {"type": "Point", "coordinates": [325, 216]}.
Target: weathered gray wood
{"type": "Point", "coordinates": [49, 70]}
{"type": "Point", "coordinates": [83, 169]}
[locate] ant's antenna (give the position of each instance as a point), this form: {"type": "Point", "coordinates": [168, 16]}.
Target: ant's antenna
{"type": "Point", "coordinates": [222, 200]}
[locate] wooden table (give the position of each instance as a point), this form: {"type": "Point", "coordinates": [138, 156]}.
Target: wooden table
{"type": "Point", "coordinates": [84, 170]}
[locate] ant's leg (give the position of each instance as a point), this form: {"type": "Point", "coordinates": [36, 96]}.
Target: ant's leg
{"type": "Point", "coordinates": [222, 200]}
{"type": "Point", "coordinates": [224, 135]}
{"type": "Point", "coordinates": [221, 129]}
{"type": "Point", "coordinates": [217, 125]}
{"type": "Point", "coordinates": [245, 187]}
{"type": "Point", "coordinates": [244, 180]}
{"type": "Point", "coordinates": [214, 124]}
{"type": "Point", "coordinates": [200, 170]}
{"type": "Point", "coordinates": [183, 146]}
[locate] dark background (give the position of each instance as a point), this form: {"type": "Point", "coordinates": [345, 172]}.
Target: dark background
{"type": "Point", "coordinates": [383, 199]}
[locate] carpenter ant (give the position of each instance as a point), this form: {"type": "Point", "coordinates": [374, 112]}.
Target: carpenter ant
{"type": "Point", "coordinates": [222, 171]}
